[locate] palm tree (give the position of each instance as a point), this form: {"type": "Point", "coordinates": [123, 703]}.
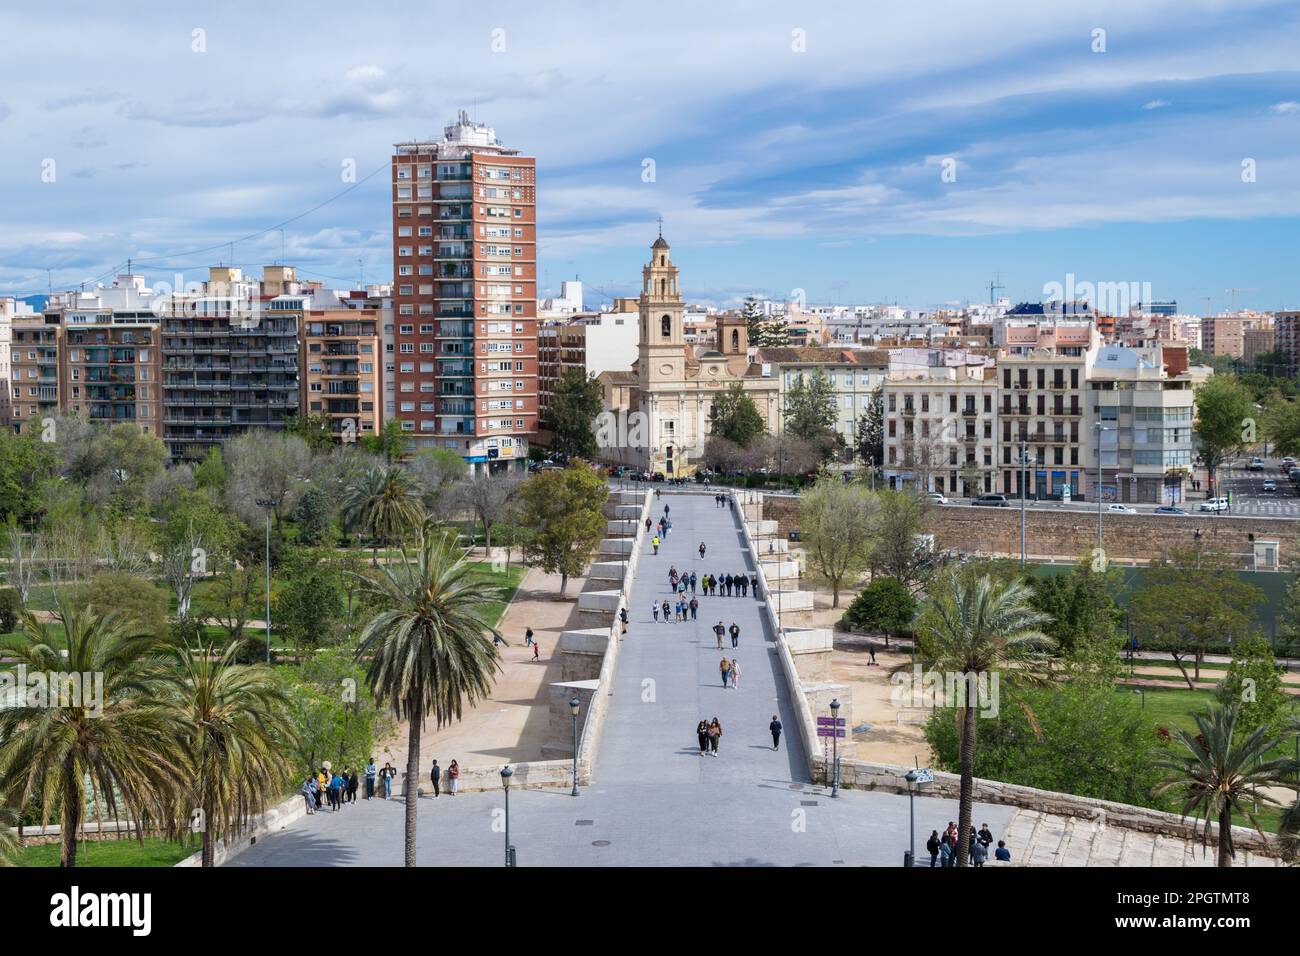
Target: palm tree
{"type": "Point", "coordinates": [428, 652]}
{"type": "Point", "coordinates": [384, 501]}
{"type": "Point", "coordinates": [9, 842]}
{"type": "Point", "coordinates": [113, 736]}
{"type": "Point", "coordinates": [1216, 774]}
{"type": "Point", "coordinates": [972, 626]}
{"type": "Point", "coordinates": [237, 721]}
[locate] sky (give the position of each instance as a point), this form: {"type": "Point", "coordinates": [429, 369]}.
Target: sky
{"type": "Point", "coordinates": [838, 152]}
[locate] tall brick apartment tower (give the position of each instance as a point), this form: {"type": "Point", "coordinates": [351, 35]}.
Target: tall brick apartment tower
{"type": "Point", "coordinates": [464, 361]}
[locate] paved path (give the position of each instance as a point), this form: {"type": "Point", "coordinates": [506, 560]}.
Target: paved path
{"type": "Point", "coordinates": [654, 800]}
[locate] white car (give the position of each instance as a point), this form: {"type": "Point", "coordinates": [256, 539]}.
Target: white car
{"type": "Point", "coordinates": [1121, 510]}
{"type": "Point", "coordinates": [1214, 504]}
{"type": "Point", "coordinates": [937, 498]}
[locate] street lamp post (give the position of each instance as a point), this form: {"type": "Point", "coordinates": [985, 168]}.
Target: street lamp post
{"type": "Point", "coordinates": [835, 747]}
{"type": "Point", "coordinates": [911, 817]}
{"type": "Point", "coordinates": [1024, 480]}
{"type": "Point", "coordinates": [268, 504]}
{"type": "Point", "coordinates": [506, 774]}
{"type": "Point", "coordinates": [574, 706]}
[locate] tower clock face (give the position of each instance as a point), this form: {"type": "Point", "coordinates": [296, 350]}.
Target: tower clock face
{"type": "Point", "coordinates": [666, 369]}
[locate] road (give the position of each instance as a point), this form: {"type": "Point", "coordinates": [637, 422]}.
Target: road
{"type": "Point", "coordinates": [654, 801]}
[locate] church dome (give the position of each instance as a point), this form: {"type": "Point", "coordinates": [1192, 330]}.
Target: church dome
{"type": "Point", "coordinates": [660, 243]}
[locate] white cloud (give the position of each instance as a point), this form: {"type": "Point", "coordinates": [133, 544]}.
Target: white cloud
{"type": "Point", "coordinates": [1286, 106]}
{"type": "Point", "coordinates": [1155, 104]}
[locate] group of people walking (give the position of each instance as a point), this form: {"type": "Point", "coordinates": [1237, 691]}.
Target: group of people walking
{"type": "Point", "coordinates": [729, 585]}
{"type": "Point", "coordinates": [327, 787]}
{"type": "Point", "coordinates": [943, 849]}
{"type": "Point", "coordinates": [709, 734]}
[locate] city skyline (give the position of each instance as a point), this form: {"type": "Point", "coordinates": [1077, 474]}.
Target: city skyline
{"type": "Point", "coordinates": [787, 151]}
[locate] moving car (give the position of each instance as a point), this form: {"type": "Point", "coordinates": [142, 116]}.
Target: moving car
{"type": "Point", "coordinates": [1288, 463]}
{"type": "Point", "coordinates": [1256, 464]}
{"type": "Point", "coordinates": [1169, 510]}
{"type": "Point", "coordinates": [1118, 509]}
{"type": "Point", "coordinates": [1214, 504]}
{"type": "Point", "coordinates": [1270, 486]}
{"type": "Point", "coordinates": [937, 498]}
{"type": "Point", "coordinates": [994, 501]}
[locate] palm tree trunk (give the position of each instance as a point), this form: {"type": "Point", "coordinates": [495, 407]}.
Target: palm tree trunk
{"type": "Point", "coordinates": [209, 850]}
{"type": "Point", "coordinates": [70, 820]}
{"type": "Point", "coordinates": [967, 783]}
{"type": "Point", "coordinates": [1225, 837]}
{"type": "Point", "coordinates": [411, 796]}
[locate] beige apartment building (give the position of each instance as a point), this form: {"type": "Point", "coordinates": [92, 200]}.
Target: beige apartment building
{"type": "Point", "coordinates": [342, 375]}
{"type": "Point", "coordinates": [941, 427]}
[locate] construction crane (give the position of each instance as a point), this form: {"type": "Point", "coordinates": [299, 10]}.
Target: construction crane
{"type": "Point", "coordinates": [1234, 292]}
{"type": "Point", "coordinates": [995, 287]}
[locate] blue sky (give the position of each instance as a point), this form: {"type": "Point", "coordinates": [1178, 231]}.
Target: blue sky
{"type": "Point", "coordinates": [793, 146]}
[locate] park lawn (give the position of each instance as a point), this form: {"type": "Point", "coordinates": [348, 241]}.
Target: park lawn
{"type": "Point", "coordinates": [508, 581]}
{"type": "Point", "coordinates": [104, 853]}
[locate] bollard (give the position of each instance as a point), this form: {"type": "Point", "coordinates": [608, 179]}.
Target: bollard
{"type": "Point", "coordinates": [907, 858]}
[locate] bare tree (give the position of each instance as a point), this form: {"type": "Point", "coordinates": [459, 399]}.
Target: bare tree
{"type": "Point", "coordinates": [268, 465]}
{"type": "Point", "coordinates": [488, 496]}
{"type": "Point", "coordinates": [22, 566]}
{"type": "Point", "coordinates": [183, 562]}
{"type": "Point", "coordinates": [123, 546]}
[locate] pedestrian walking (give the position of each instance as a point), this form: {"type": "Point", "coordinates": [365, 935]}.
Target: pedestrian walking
{"type": "Point", "coordinates": [979, 854]}
{"type": "Point", "coordinates": [435, 778]}
{"type": "Point", "coordinates": [985, 835]}
{"type": "Point", "coordinates": [694, 579]}
{"type": "Point", "coordinates": [702, 733]}
{"type": "Point", "coordinates": [734, 631]}
{"type": "Point", "coordinates": [719, 630]}
{"type": "Point", "coordinates": [322, 787]}
{"type": "Point", "coordinates": [352, 786]}
{"type": "Point", "coordinates": [672, 575]}
{"type": "Point", "coordinates": [735, 674]}
{"type": "Point", "coordinates": [932, 847]}
{"type": "Point", "coordinates": [945, 851]}
{"type": "Point", "coordinates": [871, 649]}
{"type": "Point", "coordinates": [537, 650]}
{"type": "Point", "coordinates": [648, 523]}
{"type": "Point", "coordinates": [387, 775]}
{"type": "Point", "coordinates": [775, 729]}
{"type": "Point", "coordinates": [654, 610]}
{"type": "Point", "coordinates": [667, 510]}
{"type": "Point", "coordinates": [453, 777]}
{"type": "Point", "coordinates": [622, 617]}
{"type": "Point", "coordinates": [528, 637]}
{"type": "Point", "coordinates": [306, 790]}
{"type": "Point", "coordinates": [754, 584]}
{"type": "Point", "coordinates": [695, 608]}
{"type": "Point", "coordinates": [336, 793]}
{"type": "Point", "coordinates": [715, 736]}
{"type": "Point", "coordinates": [725, 667]}
{"type": "Point", "coordinates": [702, 550]}
{"type": "Point", "coordinates": [667, 611]}
{"type": "Point", "coordinates": [372, 776]}
{"type": "Point", "coordinates": [654, 543]}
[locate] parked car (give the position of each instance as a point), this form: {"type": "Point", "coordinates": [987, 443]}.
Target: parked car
{"type": "Point", "coordinates": [1118, 509]}
{"type": "Point", "coordinates": [1214, 504]}
{"type": "Point", "coordinates": [1256, 464]}
{"type": "Point", "coordinates": [1270, 486]}
{"type": "Point", "coordinates": [1169, 510]}
{"type": "Point", "coordinates": [993, 501]}
{"type": "Point", "coordinates": [937, 498]}
{"type": "Point", "coordinates": [1294, 474]}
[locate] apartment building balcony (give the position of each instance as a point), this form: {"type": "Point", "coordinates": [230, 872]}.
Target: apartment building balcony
{"type": "Point", "coordinates": [970, 412]}
{"type": "Point", "coordinates": [909, 411]}
{"type": "Point", "coordinates": [1069, 411]}
{"type": "Point", "coordinates": [457, 368]}
{"type": "Point", "coordinates": [455, 272]}
{"type": "Point", "coordinates": [185, 417]}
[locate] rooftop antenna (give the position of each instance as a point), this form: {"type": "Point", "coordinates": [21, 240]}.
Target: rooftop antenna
{"type": "Point", "coordinates": [361, 267]}
{"type": "Point", "coordinates": [281, 247]}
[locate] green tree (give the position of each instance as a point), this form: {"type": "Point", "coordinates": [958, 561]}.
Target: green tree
{"type": "Point", "coordinates": [313, 517]}
{"type": "Point", "coordinates": [235, 718]}
{"type": "Point", "coordinates": [26, 463]}
{"type": "Point", "coordinates": [1282, 425]}
{"type": "Point", "coordinates": [116, 741]}
{"type": "Point", "coordinates": [575, 403]}
{"type": "Point", "coordinates": [316, 430]}
{"type": "Point", "coordinates": [869, 433]}
{"type": "Point", "coordinates": [391, 442]}
{"type": "Point", "coordinates": [309, 605]}
{"type": "Point", "coordinates": [761, 331]}
{"type": "Point", "coordinates": [1190, 602]}
{"type": "Point", "coordinates": [384, 503]}
{"type": "Point", "coordinates": [134, 598]}
{"type": "Point", "coordinates": [836, 519]}
{"type": "Point", "coordinates": [897, 551]}
{"type": "Point", "coordinates": [1083, 605]}
{"type": "Point", "coordinates": [211, 472]}
{"type": "Point", "coordinates": [979, 627]}
{"type": "Point", "coordinates": [564, 509]}
{"type": "Point", "coordinates": [1225, 419]}
{"type": "Point", "coordinates": [1254, 686]}
{"type": "Point", "coordinates": [1218, 772]}
{"type": "Point", "coordinates": [884, 605]}
{"type": "Point", "coordinates": [810, 409]}
{"type": "Point", "coordinates": [331, 721]}
{"type": "Point", "coordinates": [428, 652]}
{"type": "Point", "coordinates": [734, 416]}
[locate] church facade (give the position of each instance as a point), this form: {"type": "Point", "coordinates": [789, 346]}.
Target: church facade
{"type": "Point", "coordinates": [669, 395]}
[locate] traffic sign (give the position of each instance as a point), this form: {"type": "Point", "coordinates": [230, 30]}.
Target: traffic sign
{"type": "Point", "coordinates": [925, 775]}
{"type": "Point", "coordinates": [832, 732]}
{"type": "Point", "coordinates": [831, 721]}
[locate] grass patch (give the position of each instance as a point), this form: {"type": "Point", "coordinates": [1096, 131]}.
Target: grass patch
{"type": "Point", "coordinates": [103, 853]}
